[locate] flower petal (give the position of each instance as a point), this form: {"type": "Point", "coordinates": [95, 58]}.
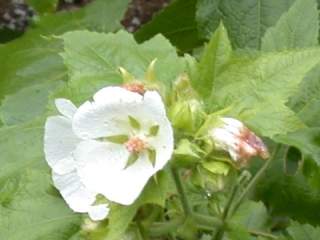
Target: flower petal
{"type": "Point", "coordinates": [106, 115]}
{"type": "Point", "coordinates": [59, 143]}
{"type": "Point", "coordinates": [77, 196]}
{"type": "Point", "coordinates": [65, 107]}
{"type": "Point", "coordinates": [163, 142]}
{"type": "Point", "coordinates": [98, 212]}
{"type": "Point", "coordinates": [101, 167]}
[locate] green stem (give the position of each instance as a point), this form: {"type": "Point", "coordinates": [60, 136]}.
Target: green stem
{"type": "Point", "coordinates": [220, 232]}
{"type": "Point", "coordinates": [180, 188]}
{"type": "Point", "coordinates": [164, 228]}
{"type": "Point", "coordinates": [262, 234]}
{"type": "Point", "coordinates": [254, 181]}
{"type": "Point", "coordinates": [207, 220]}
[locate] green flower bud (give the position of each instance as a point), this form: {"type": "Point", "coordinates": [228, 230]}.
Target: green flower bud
{"type": "Point", "coordinates": [187, 115]}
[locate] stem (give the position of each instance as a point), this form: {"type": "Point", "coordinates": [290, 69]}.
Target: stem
{"type": "Point", "coordinates": [220, 232]}
{"type": "Point", "coordinates": [254, 181]}
{"type": "Point", "coordinates": [207, 220]}
{"type": "Point", "coordinates": [262, 234]}
{"type": "Point", "coordinates": [141, 231]}
{"type": "Point", "coordinates": [183, 197]}
{"type": "Point", "coordinates": [163, 228]}
{"type": "Point", "coordinates": [229, 203]}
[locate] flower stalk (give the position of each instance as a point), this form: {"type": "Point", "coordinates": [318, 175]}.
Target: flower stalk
{"type": "Point", "coordinates": [182, 194]}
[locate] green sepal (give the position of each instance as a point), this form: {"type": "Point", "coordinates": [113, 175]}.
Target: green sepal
{"type": "Point", "coordinates": [216, 167]}
{"type": "Point", "coordinates": [152, 156]}
{"type": "Point", "coordinates": [126, 76]}
{"type": "Point", "coordinates": [133, 157]}
{"type": "Point", "coordinates": [100, 199]}
{"type": "Point", "coordinates": [187, 153]}
{"type": "Point", "coordinates": [134, 123]}
{"type": "Point", "coordinates": [153, 130]}
{"type": "Point", "coordinates": [118, 139]}
{"type": "Point", "coordinates": [150, 73]}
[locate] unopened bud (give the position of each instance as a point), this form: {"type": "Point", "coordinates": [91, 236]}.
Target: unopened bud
{"type": "Point", "coordinates": [187, 115]}
{"type": "Point", "coordinates": [239, 141]}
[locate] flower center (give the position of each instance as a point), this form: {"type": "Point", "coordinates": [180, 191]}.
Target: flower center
{"type": "Point", "coordinates": [135, 145]}
{"type": "Point", "coordinates": [134, 87]}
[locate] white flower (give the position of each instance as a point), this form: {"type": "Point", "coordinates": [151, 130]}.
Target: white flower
{"type": "Point", "coordinates": [128, 139]}
{"type": "Point", "coordinates": [59, 144]}
{"type": "Point", "coordinates": [110, 146]}
{"type": "Point", "coordinates": [241, 143]}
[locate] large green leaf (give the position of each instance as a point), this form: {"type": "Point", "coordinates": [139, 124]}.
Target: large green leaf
{"type": "Point", "coordinates": [98, 56]}
{"type": "Point", "coordinates": [33, 59]}
{"type": "Point", "coordinates": [245, 20]}
{"type": "Point", "coordinates": [30, 208]}
{"type": "Point", "coordinates": [215, 56]}
{"type": "Point", "coordinates": [303, 232]}
{"type": "Point", "coordinates": [293, 196]}
{"type": "Point", "coordinates": [177, 23]}
{"type": "Point", "coordinates": [26, 104]}
{"type": "Point", "coordinates": [298, 28]}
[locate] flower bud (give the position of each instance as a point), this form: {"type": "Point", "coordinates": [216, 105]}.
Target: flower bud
{"type": "Point", "coordinates": [186, 110]}
{"type": "Point", "coordinates": [187, 115]}
{"type": "Point", "coordinates": [240, 142]}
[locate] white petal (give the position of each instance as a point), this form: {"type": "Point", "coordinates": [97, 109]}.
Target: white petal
{"type": "Point", "coordinates": [98, 212]}
{"type": "Point", "coordinates": [163, 143]}
{"type": "Point", "coordinates": [107, 115]}
{"type": "Point", "coordinates": [109, 95]}
{"type": "Point", "coordinates": [232, 125]}
{"type": "Point", "coordinates": [233, 122]}
{"type": "Point", "coordinates": [223, 139]}
{"type": "Point", "coordinates": [59, 143]}
{"type": "Point", "coordinates": [77, 196]}
{"type": "Point", "coordinates": [101, 168]}
{"type": "Point", "coordinates": [65, 107]}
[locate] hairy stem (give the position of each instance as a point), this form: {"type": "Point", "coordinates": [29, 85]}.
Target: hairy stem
{"type": "Point", "coordinates": [254, 181]}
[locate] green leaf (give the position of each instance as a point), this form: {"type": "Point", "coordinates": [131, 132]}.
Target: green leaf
{"type": "Point", "coordinates": [302, 232]}
{"type": "Point", "coordinates": [257, 88]}
{"type": "Point", "coordinates": [27, 198]}
{"type": "Point", "coordinates": [134, 122]}
{"type": "Point", "coordinates": [27, 103]}
{"type": "Point", "coordinates": [268, 76]}
{"type": "Point", "coordinates": [177, 23]}
{"type": "Point", "coordinates": [291, 196]}
{"type": "Point", "coordinates": [251, 215]}
{"type": "Point", "coordinates": [307, 100]}
{"type": "Point", "coordinates": [298, 28]}
{"type": "Point", "coordinates": [33, 58]}
{"type": "Point", "coordinates": [246, 21]}
{"type": "Point", "coordinates": [216, 54]}
{"type": "Point", "coordinates": [307, 140]}
{"type": "Point", "coordinates": [96, 57]}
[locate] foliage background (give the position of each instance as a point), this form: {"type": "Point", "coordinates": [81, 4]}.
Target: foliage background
{"type": "Point", "coordinates": [263, 61]}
